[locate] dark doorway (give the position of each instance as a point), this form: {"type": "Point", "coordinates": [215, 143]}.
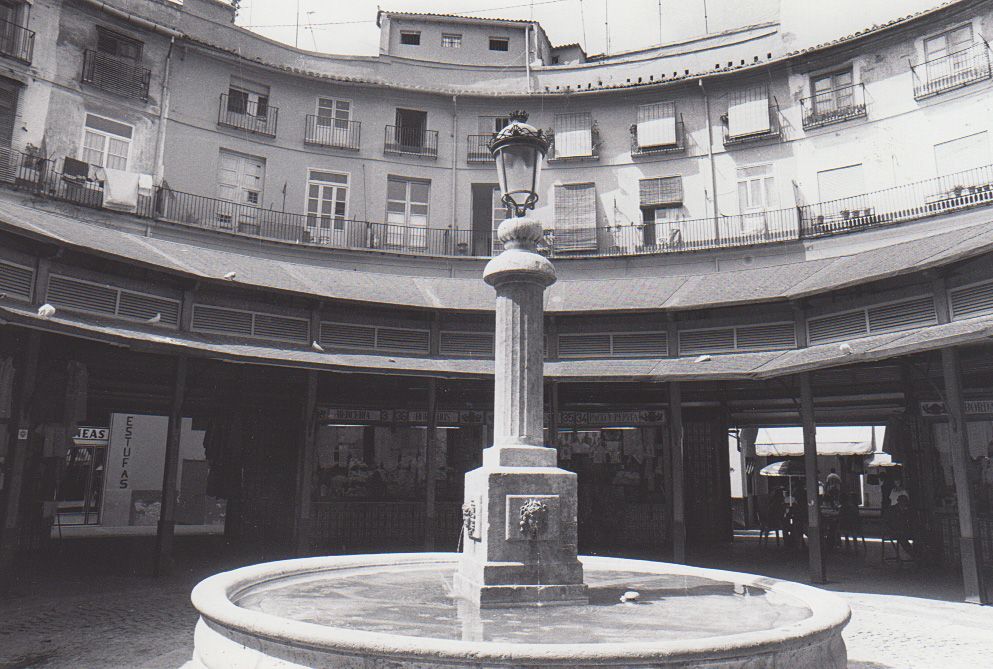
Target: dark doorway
{"type": "Point", "coordinates": [487, 212]}
{"type": "Point", "coordinates": [410, 127]}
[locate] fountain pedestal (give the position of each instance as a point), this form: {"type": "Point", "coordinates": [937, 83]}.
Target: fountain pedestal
{"type": "Point", "coordinates": [519, 512]}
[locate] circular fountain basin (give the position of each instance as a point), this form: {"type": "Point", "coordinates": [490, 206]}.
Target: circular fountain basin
{"type": "Point", "coordinates": [396, 611]}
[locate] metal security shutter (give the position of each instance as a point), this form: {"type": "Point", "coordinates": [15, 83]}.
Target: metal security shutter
{"type": "Point", "coordinates": [657, 124]}
{"type": "Point", "coordinates": [773, 336]}
{"type": "Point", "coordinates": [142, 307]}
{"type": "Point", "coordinates": [748, 112]}
{"type": "Point", "coordinates": [348, 335]}
{"type": "Point", "coordinates": [837, 326]}
{"type": "Point", "coordinates": [284, 328]}
{"type": "Point", "coordinates": [397, 339]}
{"type": "Point", "coordinates": [964, 153]}
{"type": "Point", "coordinates": [575, 217]}
{"type": "Point", "coordinates": [664, 191]}
{"type": "Point", "coordinates": [16, 280]}
{"type": "Point", "coordinates": [77, 295]}
{"type": "Point", "coordinates": [841, 182]}
{"type": "Point", "coordinates": [466, 343]}
{"type": "Point", "coordinates": [224, 321]}
{"type": "Point", "coordinates": [706, 341]}
{"type": "Point", "coordinates": [640, 344]}
{"type": "Point", "coordinates": [584, 345]}
{"type": "Point", "coordinates": [902, 315]}
{"type": "Point", "coordinates": [573, 135]}
{"type": "Point", "coordinates": [974, 300]}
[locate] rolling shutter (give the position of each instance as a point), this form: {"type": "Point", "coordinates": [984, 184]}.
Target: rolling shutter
{"type": "Point", "coordinates": [657, 124]}
{"type": "Point", "coordinates": [573, 135]}
{"type": "Point", "coordinates": [841, 182]}
{"type": "Point", "coordinates": [664, 191]}
{"type": "Point", "coordinates": [748, 112]}
{"type": "Point", "coordinates": [575, 217]}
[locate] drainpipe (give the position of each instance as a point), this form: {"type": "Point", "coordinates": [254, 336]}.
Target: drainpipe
{"type": "Point", "coordinates": [163, 115]}
{"type": "Point", "coordinates": [713, 170]}
{"type": "Point", "coordinates": [131, 18]}
{"type": "Point", "coordinates": [455, 162]}
{"type": "Point", "coordinates": [527, 54]}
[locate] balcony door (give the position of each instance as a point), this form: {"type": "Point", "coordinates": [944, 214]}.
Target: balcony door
{"type": "Point", "coordinates": [239, 182]}
{"type": "Point", "coordinates": [487, 213]}
{"type": "Point", "coordinates": [411, 125]}
{"type": "Point", "coordinates": [10, 27]}
{"type": "Point", "coordinates": [327, 207]}
{"type": "Point", "coordinates": [946, 53]}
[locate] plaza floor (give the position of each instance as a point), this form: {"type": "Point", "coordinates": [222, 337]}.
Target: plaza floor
{"type": "Point", "coordinates": [91, 604]}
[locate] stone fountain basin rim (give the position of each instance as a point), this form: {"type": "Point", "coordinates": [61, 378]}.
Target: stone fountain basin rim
{"type": "Point", "coordinates": [213, 599]}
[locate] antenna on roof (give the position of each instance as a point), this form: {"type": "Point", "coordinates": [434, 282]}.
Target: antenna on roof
{"type": "Point", "coordinates": [606, 25]}
{"type": "Point", "coordinates": [296, 36]}
{"type": "Point", "coordinates": [660, 21]}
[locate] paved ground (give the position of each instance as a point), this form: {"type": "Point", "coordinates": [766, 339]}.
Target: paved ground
{"type": "Point", "coordinates": [93, 607]}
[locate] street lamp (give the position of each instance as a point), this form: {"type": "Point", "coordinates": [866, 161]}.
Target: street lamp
{"type": "Point", "coordinates": [519, 150]}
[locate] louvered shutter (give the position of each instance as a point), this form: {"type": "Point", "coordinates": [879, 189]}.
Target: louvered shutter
{"type": "Point", "coordinates": [902, 315]}
{"type": "Point", "coordinates": [640, 344]}
{"type": "Point", "coordinates": [285, 328]}
{"type": "Point", "coordinates": [973, 300]}
{"type": "Point", "coordinates": [16, 280]}
{"type": "Point", "coordinates": [573, 136]}
{"type": "Point", "coordinates": [348, 335]}
{"type": "Point", "coordinates": [657, 124]}
{"type": "Point", "coordinates": [221, 320]}
{"type": "Point", "coordinates": [706, 341]}
{"type": "Point", "coordinates": [584, 345]}
{"type": "Point", "coordinates": [664, 191]}
{"type": "Point", "coordinates": [575, 217]}
{"type": "Point", "coordinates": [466, 343]}
{"type": "Point", "coordinates": [748, 112]}
{"type": "Point", "coordinates": [77, 295]}
{"type": "Point", "coordinates": [768, 337]}
{"type": "Point", "coordinates": [837, 326]}
{"type": "Point", "coordinates": [398, 339]}
{"type": "Point", "coordinates": [142, 307]}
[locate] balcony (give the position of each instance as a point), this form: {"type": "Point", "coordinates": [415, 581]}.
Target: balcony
{"type": "Point", "coordinates": [774, 131]}
{"type": "Point", "coordinates": [16, 42]}
{"type": "Point", "coordinates": [402, 141]}
{"type": "Point", "coordinates": [579, 148]}
{"type": "Point", "coordinates": [835, 106]}
{"type": "Point", "coordinates": [637, 149]}
{"type": "Point", "coordinates": [260, 120]}
{"type": "Point", "coordinates": [478, 148]}
{"type": "Point", "coordinates": [122, 76]}
{"type": "Point", "coordinates": [955, 70]}
{"type": "Point", "coordinates": [333, 133]}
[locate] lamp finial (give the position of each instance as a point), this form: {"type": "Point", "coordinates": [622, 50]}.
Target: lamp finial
{"type": "Point", "coordinates": [518, 115]}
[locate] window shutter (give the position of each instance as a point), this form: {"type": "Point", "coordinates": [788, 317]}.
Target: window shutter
{"type": "Point", "coordinates": [841, 183]}
{"type": "Point", "coordinates": [662, 191]}
{"type": "Point", "coordinates": [748, 112]}
{"type": "Point", "coordinates": [657, 124]}
{"type": "Point", "coordinates": [964, 153]}
{"type": "Point", "coordinates": [573, 136]}
{"type": "Point", "coordinates": [575, 217]}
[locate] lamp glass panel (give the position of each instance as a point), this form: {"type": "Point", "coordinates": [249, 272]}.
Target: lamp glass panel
{"type": "Point", "coordinates": [517, 173]}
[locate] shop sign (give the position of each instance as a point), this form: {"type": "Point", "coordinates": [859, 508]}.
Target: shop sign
{"type": "Point", "coordinates": [609, 418]}
{"type": "Point", "coordinates": [972, 408]}
{"type": "Point", "coordinates": [91, 436]}
{"type": "Point", "coordinates": [354, 415]}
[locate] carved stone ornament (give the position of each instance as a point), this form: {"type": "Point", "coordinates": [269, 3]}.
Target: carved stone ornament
{"type": "Point", "coordinates": [469, 519]}
{"type": "Point", "coordinates": [534, 514]}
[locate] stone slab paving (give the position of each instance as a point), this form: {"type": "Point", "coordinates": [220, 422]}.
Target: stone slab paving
{"type": "Point", "coordinates": [99, 611]}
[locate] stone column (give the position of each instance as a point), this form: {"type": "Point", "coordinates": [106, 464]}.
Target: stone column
{"type": "Point", "coordinates": [519, 533]}
{"type": "Point", "coordinates": [163, 560]}
{"type": "Point", "coordinates": [814, 552]}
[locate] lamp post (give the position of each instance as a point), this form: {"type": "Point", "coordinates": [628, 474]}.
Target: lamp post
{"type": "Point", "coordinates": [519, 516]}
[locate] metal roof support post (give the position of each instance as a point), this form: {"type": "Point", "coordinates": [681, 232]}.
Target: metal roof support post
{"type": "Point", "coordinates": [163, 560]}
{"type": "Point", "coordinates": [814, 553]}
{"type": "Point", "coordinates": [676, 467]}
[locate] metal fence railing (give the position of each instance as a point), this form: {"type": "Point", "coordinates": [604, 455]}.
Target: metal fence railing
{"type": "Point", "coordinates": [410, 141]}
{"type": "Point", "coordinates": [16, 41]}
{"type": "Point", "coordinates": [955, 70]}
{"type": "Point", "coordinates": [83, 186]}
{"type": "Point", "coordinates": [478, 148]}
{"type": "Point", "coordinates": [115, 74]}
{"type": "Point", "coordinates": [834, 106]}
{"type": "Point", "coordinates": [237, 112]}
{"type": "Point", "coordinates": [334, 133]}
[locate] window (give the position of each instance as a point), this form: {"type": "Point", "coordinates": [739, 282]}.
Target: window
{"type": "Point", "coordinates": [832, 92]}
{"type": "Point", "coordinates": [657, 124]}
{"type": "Point", "coordinates": [106, 143]}
{"type": "Point", "coordinates": [573, 135]}
{"type": "Point", "coordinates": [661, 203]}
{"type": "Point", "coordinates": [116, 44]}
{"type": "Point", "coordinates": [248, 98]}
{"type": "Point", "coordinates": [841, 182]}
{"type": "Point", "coordinates": [451, 40]}
{"type": "Point", "coordinates": [756, 189]}
{"type": "Point", "coordinates": [661, 192]}
{"type": "Point", "coordinates": [492, 124]}
{"type": "Point", "coordinates": [327, 200]}
{"type": "Point", "coordinates": [407, 211]}
{"type": "Point", "coordinates": [949, 42]}
{"type": "Point", "coordinates": [410, 37]}
{"type": "Point", "coordinates": [333, 113]}
{"type": "Point", "coordinates": [499, 44]}
{"type": "Point", "coordinates": [575, 217]}
{"type": "Point", "coordinates": [964, 153]}
{"type": "Point", "coordinates": [748, 112]}
{"type": "Point", "coordinates": [239, 180]}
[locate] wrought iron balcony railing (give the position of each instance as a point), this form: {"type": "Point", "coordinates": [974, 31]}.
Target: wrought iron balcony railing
{"type": "Point", "coordinates": [834, 106]}
{"type": "Point", "coordinates": [575, 149]}
{"type": "Point", "coordinates": [646, 147]}
{"type": "Point", "coordinates": [478, 148]}
{"type": "Point", "coordinates": [122, 76]}
{"type": "Point", "coordinates": [773, 131]}
{"type": "Point", "coordinates": [258, 119]}
{"type": "Point", "coordinates": [333, 133]}
{"type": "Point", "coordinates": [938, 75]}
{"type": "Point", "coordinates": [16, 41]}
{"type": "Point", "coordinates": [400, 140]}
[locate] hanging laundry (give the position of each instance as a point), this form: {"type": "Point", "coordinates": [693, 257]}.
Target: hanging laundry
{"type": "Point", "coordinates": [120, 189]}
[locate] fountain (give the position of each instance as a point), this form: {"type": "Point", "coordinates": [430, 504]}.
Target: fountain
{"type": "Point", "coordinates": [517, 595]}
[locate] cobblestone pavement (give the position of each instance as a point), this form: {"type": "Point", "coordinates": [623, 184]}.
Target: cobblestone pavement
{"type": "Point", "coordinates": [94, 609]}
